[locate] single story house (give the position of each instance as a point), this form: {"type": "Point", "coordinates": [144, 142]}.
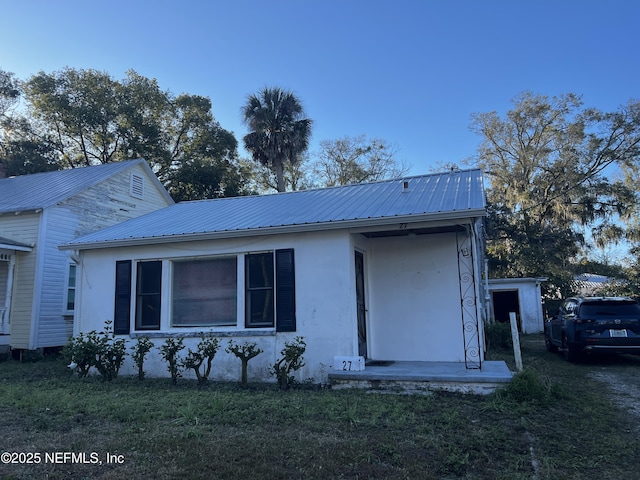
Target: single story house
{"type": "Point", "coordinates": [39, 212]}
{"type": "Point", "coordinates": [522, 296]}
{"type": "Point", "coordinates": [385, 271]}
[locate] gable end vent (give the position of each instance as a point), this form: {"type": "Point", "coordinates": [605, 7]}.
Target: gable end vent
{"type": "Point", "coordinates": [136, 187]}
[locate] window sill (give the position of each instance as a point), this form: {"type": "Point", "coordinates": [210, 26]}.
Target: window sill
{"type": "Point", "coordinates": [206, 333]}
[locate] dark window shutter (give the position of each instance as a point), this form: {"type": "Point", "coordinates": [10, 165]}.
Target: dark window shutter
{"type": "Point", "coordinates": [285, 291]}
{"type": "Point", "coordinates": [122, 313]}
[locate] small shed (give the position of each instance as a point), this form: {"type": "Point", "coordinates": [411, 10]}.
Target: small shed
{"type": "Point", "coordinates": [519, 295]}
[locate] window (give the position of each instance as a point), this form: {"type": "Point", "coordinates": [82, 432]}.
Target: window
{"type": "Point", "coordinates": [265, 281]}
{"type": "Point", "coordinates": [570, 307]}
{"type": "Point", "coordinates": [259, 290]}
{"type": "Point", "coordinates": [204, 292]}
{"type": "Point", "coordinates": [136, 186]}
{"type": "Point", "coordinates": [70, 300]}
{"type": "Point", "coordinates": [148, 295]}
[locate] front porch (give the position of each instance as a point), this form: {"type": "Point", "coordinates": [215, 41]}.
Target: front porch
{"type": "Point", "coordinates": [424, 377]}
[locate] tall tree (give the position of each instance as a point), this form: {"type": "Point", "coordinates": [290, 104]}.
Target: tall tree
{"type": "Point", "coordinates": [77, 112]}
{"type": "Point", "coordinates": [297, 176]}
{"type": "Point", "coordinates": [86, 117]}
{"type": "Point", "coordinates": [9, 97]}
{"type": "Point", "coordinates": [9, 93]}
{"type": "Point", "coordinates": [356, 160]}
{"type": "Point", "coordinates": [546, 163]}
{"type": "Point", "coordinates": [279, 131]}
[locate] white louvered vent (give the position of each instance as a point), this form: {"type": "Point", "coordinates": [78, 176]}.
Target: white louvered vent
{"type": "Point", "coordinates": [136, 188]}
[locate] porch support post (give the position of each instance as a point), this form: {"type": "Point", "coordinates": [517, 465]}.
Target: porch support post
{"type": "Point", "coordinates": [468, 297]}
{"type": "Point", "coordinates": [4, 309]}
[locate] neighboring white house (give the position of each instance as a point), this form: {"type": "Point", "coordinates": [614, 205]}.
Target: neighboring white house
{"type": "Point", "coordinates": [387, 271]}
{"type": "Point", "coordinates": [520, 295]}
{"type": "Point", "coordinates": [41, 211]}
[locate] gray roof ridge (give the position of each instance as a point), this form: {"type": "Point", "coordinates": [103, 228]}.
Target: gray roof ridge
{"type": "Point", "coordinates": [65, 170]}
{"type": "Point", "coordinates": [333, 187]}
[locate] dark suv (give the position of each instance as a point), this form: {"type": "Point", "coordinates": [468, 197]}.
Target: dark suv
{"type": "Point", "coordinates": [594, 324]}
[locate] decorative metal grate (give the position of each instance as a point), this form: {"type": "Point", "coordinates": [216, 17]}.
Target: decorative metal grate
{"type": "Point", "coordinates": [468, 297]}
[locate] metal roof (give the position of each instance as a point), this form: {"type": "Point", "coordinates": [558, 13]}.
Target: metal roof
{"type": "Point", "coordinates": [457, 194]}
{"type": "Point", "coordinates": [14, 245]}
{"type": "Point", "coordinates": [42, 190]}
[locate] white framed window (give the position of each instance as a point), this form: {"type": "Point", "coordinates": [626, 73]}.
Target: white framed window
{"type": "Point", "coordinates": [136, 186]}
{"type": "Point", "coordinates": [70, 291]}
{"type": "Point", "coordinates": [148, 295]}
{"type": "Point", "coordinates": [204, 292]}
{"type": "Point", "coordinates": [259, 292]}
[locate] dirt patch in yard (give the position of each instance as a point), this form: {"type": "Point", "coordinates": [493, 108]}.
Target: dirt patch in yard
{"type": "Point", "coordinates": [620, 375]}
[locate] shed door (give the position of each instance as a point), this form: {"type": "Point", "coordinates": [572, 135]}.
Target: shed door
{"type": "Point", "coordinates": [504, 302]}
{"type": "Point", "coordinates": [361, 308]}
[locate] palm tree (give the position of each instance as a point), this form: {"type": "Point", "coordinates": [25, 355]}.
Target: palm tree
{"type": "Point", "coordinates": [278, 130]}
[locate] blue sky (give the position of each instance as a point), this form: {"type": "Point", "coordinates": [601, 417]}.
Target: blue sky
{"type": "Point", "coordinates": [408, 71]}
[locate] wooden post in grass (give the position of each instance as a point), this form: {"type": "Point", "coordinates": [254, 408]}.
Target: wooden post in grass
{"type": "Point", "coordinates": [516, 340]}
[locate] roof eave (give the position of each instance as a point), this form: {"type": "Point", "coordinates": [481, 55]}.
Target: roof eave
{"type": "Point", "coordinates": [18, 248]}
{"type": "Point", "coordinates": [279, 229]}
{"type": "Point", "coordinates": [24, 211]}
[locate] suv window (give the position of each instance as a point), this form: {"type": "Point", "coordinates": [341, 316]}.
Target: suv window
{"type": "Point", "coordinates": [569, 307]}
{"type": "Point", "coordinates": [610, 309]}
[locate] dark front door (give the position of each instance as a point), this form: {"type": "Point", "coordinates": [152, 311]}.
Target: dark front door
{"type": "Point", "coordinates": [361, 306]}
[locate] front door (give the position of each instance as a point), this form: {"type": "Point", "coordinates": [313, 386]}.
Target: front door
{"type": "Point", "coordinates": [361, 306]}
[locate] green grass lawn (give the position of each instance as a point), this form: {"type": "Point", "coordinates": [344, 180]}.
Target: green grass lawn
{"type": "Point", "coordinates": [553, 422]}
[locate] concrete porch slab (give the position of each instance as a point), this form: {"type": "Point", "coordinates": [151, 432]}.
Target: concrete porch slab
{"type": "Point", "coordinates": [424, 377]}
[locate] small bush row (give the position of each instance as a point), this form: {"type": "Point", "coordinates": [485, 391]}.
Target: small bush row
{"type": "Point", "coordinates": [106, 353]}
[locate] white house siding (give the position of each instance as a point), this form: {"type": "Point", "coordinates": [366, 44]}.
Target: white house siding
{"type": "Point", "coordinates": [109, 202]}
{"type": "Point", "coordinates": [325, 301]}
{"type": "Point", "coordinates": [50, 327]}
{"type": "Point", "coordinates": [100, 206]}
{"type": "Point", "coordinates": [414, 299]}
{"type": "Point", "coordinates": [22, 228]}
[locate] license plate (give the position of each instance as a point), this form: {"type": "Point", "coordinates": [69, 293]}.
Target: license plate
{"type": "Point", "coordinates": [618, 333]}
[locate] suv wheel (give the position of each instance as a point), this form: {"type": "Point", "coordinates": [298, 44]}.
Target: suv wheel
{"type": "Point", "coordinates": [550, 346]}
{"type": "Point", "coordinates": [570, 354]}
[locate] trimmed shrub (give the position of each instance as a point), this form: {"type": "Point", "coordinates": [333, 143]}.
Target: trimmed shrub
{"type": "Point", "coordinates": [206, 350]}
{"type": "Point", "coordinates": [169, 351]}
{"type": "Point", "coordinates": [139, 352]}
{"type": "Point", "coordinates": [244, 352]}
{"type": "Point", "coordinates": [290, 361]}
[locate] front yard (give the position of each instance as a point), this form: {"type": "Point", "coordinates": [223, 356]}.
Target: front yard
{"type": "Point", "coordinates": [556, 421]}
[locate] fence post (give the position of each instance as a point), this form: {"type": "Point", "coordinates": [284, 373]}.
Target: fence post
{"type": "Point", "coordinates": [516, 340]}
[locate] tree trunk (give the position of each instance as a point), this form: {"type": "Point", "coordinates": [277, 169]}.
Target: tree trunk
{"type": "Point", "coordinates": [279, 168]}
{"type": "Point", "coordinates": [245, 362]}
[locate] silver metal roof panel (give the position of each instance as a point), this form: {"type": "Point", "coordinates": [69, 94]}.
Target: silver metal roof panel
{"type": "Point", "coordinates": [454, 194]}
